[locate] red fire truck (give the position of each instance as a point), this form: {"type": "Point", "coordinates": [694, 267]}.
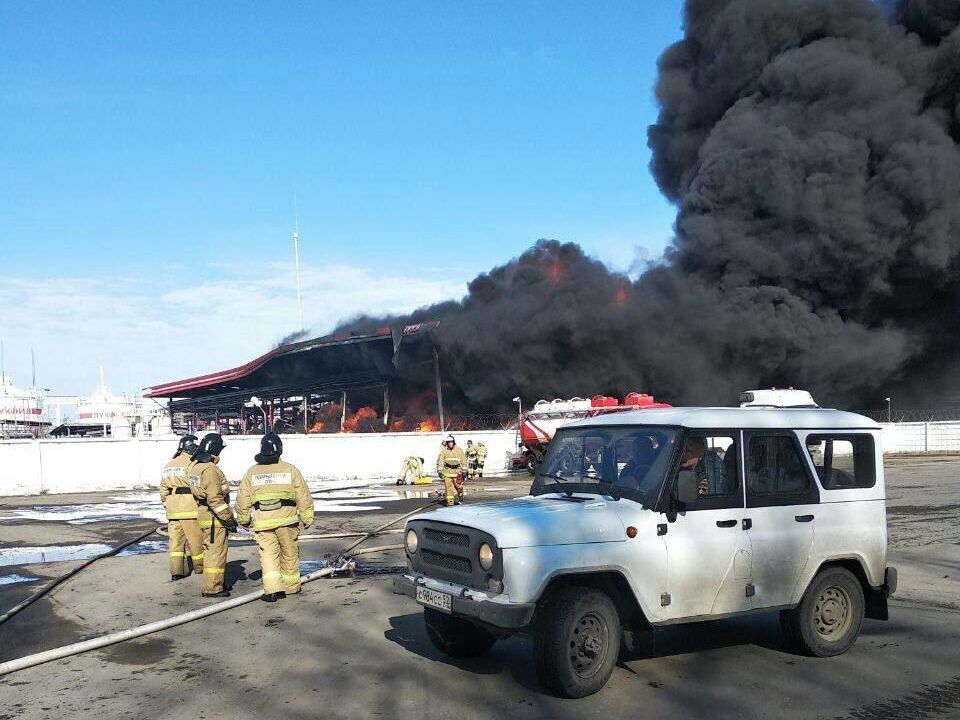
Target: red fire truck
{"type": "Point", "coordinates": [537, 426]}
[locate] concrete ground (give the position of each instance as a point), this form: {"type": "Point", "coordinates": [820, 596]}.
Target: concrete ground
{"type": "Point", "coordinates": [349, 648]}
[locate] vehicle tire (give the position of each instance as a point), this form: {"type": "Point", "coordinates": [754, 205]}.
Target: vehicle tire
{"type": "Point", "coordinates": [530, 462]}
{"type": "Point", "coordinates": [577, 641]}
{"type": "Point", "coordinates": [455, 636]}
{"type": "Point", "coordinates": [827, 621]}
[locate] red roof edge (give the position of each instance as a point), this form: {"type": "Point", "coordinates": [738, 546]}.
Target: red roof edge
{"type": "Point", "coordinates": [169, 389]}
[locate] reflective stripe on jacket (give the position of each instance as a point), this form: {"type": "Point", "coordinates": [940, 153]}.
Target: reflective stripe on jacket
{"type": "Point", "coordinates": [178, 501]}
{"type": "Point", "coordinates": [449, 462]}
{"type": "Point", "coordinates": [274, 496]}
{"type": "Point", "coordinates": [211, 490]}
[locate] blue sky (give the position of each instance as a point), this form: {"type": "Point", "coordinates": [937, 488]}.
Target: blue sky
{"type": "Point", "coordinates": [151, 153]}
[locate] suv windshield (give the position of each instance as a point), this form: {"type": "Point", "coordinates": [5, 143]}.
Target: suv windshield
{"type": "Point", "coordinates": [627, 461]}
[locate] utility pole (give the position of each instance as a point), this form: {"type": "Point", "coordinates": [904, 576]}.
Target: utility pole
{"type": "Point", "coordinates": [296, 255]}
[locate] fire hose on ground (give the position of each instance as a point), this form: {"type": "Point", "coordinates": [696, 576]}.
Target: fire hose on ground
{"type": "Point", "coordinates": [340, 564]}
{"type": "Point", "coordinates": [63, 578]}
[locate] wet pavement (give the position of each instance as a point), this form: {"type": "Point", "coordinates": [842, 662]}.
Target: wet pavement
{"type": "Point", "coordinates": [349, 648]}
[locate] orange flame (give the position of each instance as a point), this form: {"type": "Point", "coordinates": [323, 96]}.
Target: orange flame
{"type": "Point", "coordinates": [621, 297]}
{"type": "Point", "coordinates": [363, 420]}
{"type": "Point", "coordinates": [430, 424]}
{"type": "Point", "coordinates": [555, 272]}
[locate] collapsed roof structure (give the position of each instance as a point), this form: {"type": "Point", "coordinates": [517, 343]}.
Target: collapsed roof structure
{"type": "Point", "coordinates": [290, 386]}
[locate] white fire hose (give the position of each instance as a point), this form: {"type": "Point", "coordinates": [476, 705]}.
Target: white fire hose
{"type": "Point", "coordinates": [123, 635]}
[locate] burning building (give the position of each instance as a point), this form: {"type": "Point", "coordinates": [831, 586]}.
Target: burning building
{"type": "Point", "coordinates": [385, 379]}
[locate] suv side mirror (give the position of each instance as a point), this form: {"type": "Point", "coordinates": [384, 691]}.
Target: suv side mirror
{"type": "Point", "coordinates": [687, 492]}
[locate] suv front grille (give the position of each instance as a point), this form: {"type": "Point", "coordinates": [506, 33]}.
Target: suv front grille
{"type": "Point", "coordinates": [447, 562]}
{"type": "Point", "coordinates": [443, 537]}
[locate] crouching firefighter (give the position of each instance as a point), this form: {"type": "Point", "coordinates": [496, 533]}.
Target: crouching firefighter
{"type": "Point", "coordinates": [281, 504]}
{"type": "Point", "coordinates": [411, 466]}
{"type": "Point", "coordinates": [451, 464]}
{"type": "Point", "coordinates": [185, 536]}
{"type": "Point", "coordinates": [212, 493]}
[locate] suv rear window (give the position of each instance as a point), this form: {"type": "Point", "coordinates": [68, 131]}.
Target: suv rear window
{"type": "Point", "coordinates": [843, 461]}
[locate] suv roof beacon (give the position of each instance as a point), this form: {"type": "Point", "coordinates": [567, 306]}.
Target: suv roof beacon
{"type": "Point", "coordinates": [662, 516]}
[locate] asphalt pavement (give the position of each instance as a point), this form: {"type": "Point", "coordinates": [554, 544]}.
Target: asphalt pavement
{"type": "Point", "coordinates": [350, 648]}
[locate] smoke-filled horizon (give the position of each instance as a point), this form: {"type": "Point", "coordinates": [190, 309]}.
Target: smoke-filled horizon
{"type": "Point", "coordinates": [811, 149]}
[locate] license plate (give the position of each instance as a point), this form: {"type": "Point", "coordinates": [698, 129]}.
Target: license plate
{"type": "Point", "coordinates": [434, 599]}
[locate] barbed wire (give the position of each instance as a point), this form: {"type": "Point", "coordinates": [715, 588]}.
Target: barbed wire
{"type": "Point", "coordinates": [913, 415]}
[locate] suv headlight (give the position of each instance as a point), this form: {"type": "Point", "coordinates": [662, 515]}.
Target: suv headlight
{"type": "Point", "coordinates": [412, 541]}
{"type": "Point", "coordinates": [486, 556]}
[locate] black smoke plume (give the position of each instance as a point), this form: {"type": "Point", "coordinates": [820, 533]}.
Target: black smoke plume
{"type": "Point", "coordinates": [811, 149]}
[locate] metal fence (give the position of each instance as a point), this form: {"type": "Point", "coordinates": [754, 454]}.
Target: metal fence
{"type": "Point", "coordinates": [913, 414]}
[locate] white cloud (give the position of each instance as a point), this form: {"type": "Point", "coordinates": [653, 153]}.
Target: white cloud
{"type": "Point", "coordinates": [151, 330]}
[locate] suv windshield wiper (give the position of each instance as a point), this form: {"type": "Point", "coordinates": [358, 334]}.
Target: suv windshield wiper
{"type": "Point", "coordinates": [579, 480]}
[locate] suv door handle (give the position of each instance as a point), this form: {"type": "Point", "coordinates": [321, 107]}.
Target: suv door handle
{"type": "Point", "coordinates": [726, 523]}
{"type": "Point", "coordinates": [803, 518]}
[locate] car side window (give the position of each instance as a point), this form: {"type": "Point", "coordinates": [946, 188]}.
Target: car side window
{"type": "Point", "coordinates": [776, 472]}
{"type": "Point", "coordinates": [843, 462]}
{"type": "Point", "coordinates": [712, 456]}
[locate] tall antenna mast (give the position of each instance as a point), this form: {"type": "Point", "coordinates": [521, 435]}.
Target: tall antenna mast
{"type": "Point", "coordinates": [33, 369]}
{"type": "Point", "coordinates": [3, 367]}
{"type": "Point", "coordinates": [296, 255]}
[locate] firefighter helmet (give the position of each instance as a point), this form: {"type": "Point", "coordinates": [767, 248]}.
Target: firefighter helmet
{"type": "Point", "coordinates": [188, 445]}
{"type": "Point", "coordinates": [211, 446]}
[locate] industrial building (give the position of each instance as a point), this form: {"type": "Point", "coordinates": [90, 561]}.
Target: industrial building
{"type": "Point", "coordinates": [339, 383]}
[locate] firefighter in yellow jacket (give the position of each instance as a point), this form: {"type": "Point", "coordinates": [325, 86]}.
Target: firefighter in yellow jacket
{"type": "Point", "coordinates": [471, 453]}
{"type": "Point", "coordinates": [185, 535]}
{"type": "Point", "coordinates": [411, 466]}
{"type": "Point", "coordinates": [451, 464]}
{"type": "Point", "coordinates": [281, 504]}
{"type": "Point", "coordinates": [212, 492]}
{"type": "Point", "coordinates": [481, 458]}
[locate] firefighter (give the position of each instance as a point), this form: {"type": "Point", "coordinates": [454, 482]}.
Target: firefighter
{"type": "Point", "coordinates": [282, 506]}
{"type": "Point", "coordinates": [481, 457]}
{"type": "Point", "coordinates": [212, 493]}
{"type": "Point", "coordinates": [181, 509]}
{"type": "Point", "coordinates": [411, 466]}
{"type": "Point", "coordinates": [471, 453]}
{"type": "Point", "coordinates": [451, 464]}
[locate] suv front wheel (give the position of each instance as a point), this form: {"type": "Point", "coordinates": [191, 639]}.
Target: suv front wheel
{"type": "Point", "coordinates": [827, 620]}
{"type": "Point", "coordinates": [576, 641]}
{"type": "Point", "coordinates": [455, 636]}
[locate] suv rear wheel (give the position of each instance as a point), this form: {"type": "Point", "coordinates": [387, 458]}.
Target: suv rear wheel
{"type": "Point", "coordinates": [576, 641]}
{"type": "Point", "coordinates": [455, 636]}
{"type": "Point", "coordinates": [827, 620]}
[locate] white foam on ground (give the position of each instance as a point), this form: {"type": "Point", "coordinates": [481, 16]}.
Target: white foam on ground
{"type": "Point", "coordinates": [351, 495]}
{"type": "Point", "coordinates": [40, 554]}
{"type": "Point", "coordinates": [37, 555]}
{"type": "Point", "coordinates": [15, 578]}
